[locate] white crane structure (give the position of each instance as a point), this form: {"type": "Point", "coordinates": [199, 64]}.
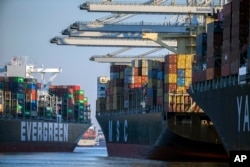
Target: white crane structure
{"type": "Point", "coordinates": [125, 59]}
{"type": "Point", "coordinates": [191, 7]}
{"type": "Point", "coordinates": [109, 42]}
{"type": "Point", "coordinates": [189, 17]}
{"type": "Point", "coordinates": [18, 67]}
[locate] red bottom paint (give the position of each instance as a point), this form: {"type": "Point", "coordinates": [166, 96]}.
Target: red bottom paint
{"type": "Point", "coordinates": [162, 153]}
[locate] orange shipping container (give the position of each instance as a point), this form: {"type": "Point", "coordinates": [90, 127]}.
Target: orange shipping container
{"type": "Point", "coordinates": [170, 59]}
{"type": "Point", "coordinates": [170, 68]}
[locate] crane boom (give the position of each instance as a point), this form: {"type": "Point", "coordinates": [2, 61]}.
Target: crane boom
{"type": "Point", "coordinates": [122, 59]}
{"type": "Point", "coordinates": [110, 42]}
{"type": "Point", "coordinates": [149, 8]}
{"type": "Point", "coordinates": [128, 27]}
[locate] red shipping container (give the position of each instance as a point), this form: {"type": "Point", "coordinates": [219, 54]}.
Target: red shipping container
{"type": "Point", "coordinates": [137, 85]}
{"type": "Point", "coordinates": [210, 62]}
{"type": "Point", "coordinates": [170, 87]}
{"type": "Point", "coordinates": [195, 76]}
{"type": "Point", "coordinates": [225, 57]}
{"type": "Point", "coordinates": [170, 68]}
{"type": "Point", "coordinates": [144, 79]}
{"type": "Point", "coordinates": [202, 75]}
{"type": "Point", "coordinates": [171, 59]}
{"type": "Point", "coordinates": [137, 79]}
{"type": "Point", "coordinates": [225, 70]}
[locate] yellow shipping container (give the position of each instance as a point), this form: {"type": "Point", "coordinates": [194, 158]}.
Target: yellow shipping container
{"type": "Point", "coordinates": [181, 61]}
{"type": "Point", "coordinates": [188, 81]}
{"type": "Point", "coordinates": [144, 71]}
{"type": "Point", "coordinates": [145, 63]}
{"type": "Point", "coordinates": [189, 61]}
{"type": "Point", "coordinates": [181, 89]}
{"type": "Point", "coordinates": [170, 78]}
{"type": "Point", "coordinates": [188, 72]}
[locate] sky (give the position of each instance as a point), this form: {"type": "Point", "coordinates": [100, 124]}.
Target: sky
{"type": "Point", "coordinates": [26, 27]}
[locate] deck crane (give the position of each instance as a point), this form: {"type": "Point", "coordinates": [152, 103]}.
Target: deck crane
{"type": "Point", "coordinates": [18, 67]}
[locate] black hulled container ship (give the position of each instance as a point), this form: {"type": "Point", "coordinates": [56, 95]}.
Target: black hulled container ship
{"type": "Point", "coordinates": [34, 118]}
{"type": "Point", "coordinates": [222, 89]}
{"type": "Point", "coordinates": [145, 111]}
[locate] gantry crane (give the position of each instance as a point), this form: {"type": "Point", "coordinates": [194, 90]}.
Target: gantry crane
{"type": "Point", "coordinates": [172, 8]}
{"type": "Point", "coordinates": [95, 33]}
{"type": "Point", "coordinates": [125, 59]}
{"type": "Point", "coordinates": [108, 42]}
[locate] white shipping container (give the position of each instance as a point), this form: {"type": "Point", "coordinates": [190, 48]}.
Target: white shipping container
{"type": "Point", "coordinates": [103, 79]}
{"type": "Point", "coordinates": [136, 63]}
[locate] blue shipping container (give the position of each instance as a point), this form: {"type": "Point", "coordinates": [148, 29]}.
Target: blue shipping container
{"type": "Point", "coordinates": [160, 75]}
{"type": "Point", "coordinates": [180, 81]}
{"type": "Point", "coordinates": [181, 73]}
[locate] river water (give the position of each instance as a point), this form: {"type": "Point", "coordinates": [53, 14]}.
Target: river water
{"type": "Point", "coordinates": [89, 157]}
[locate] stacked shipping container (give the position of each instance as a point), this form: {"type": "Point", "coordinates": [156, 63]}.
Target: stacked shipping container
{"type": "Point", "coordinates": [18, 96]}
{"type": "Point", "coordinates": [101, 93]}
{"type": "Point", "coordinates": [214, 43]}
{"type": "Point", "coordinates": [178, 77]}
{"type": "Point", "coordinates": [73, 101]}
{"type": "Point", "coordinates": [227, 42]}
{"type": "Point", "coordinates": [151, 84]}
{"type": "Point", "coordinates": [236, 30]}
{"type": "Point", "coordinates": [199, 72]}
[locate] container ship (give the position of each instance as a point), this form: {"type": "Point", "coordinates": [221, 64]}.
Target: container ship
{"type": "Point", "coordinates": [145, 112]}
{"type": "Point", "coordinates": [36, 117]}
{"type": "Point", "coordinates": [89, 138]}
{"type": "Point", "coordinates": [221, 77]}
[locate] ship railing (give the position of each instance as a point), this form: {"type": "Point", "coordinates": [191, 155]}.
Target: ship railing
{"type": "Point", "coordinates": [217, 83]}
{"type": "Point", "coordinates": [151, 109]}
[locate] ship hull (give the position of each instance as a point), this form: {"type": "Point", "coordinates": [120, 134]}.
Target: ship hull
{"type": "Point", "coordinates": [148, 136]}
{"type": "Point", "coordinates": [228, 108]}
{"type": "Point", "coordinates": [39, 136]}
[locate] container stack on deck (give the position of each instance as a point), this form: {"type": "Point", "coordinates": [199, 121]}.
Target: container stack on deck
{"type": "Point", "coordinates": [214, 43]}
{"type": "Point", "coordinates": [18, 96]}
{"type": "Point", "coordinates": [149, 85]}
{"type": "Point", "coordinates": [178, 76]}
{"type": "Point", "coordinates": [73, 101]}
{"type": "Point", "coordinates": [227, 42]}
{"type": "Point", "coordinates": [101, 93]}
